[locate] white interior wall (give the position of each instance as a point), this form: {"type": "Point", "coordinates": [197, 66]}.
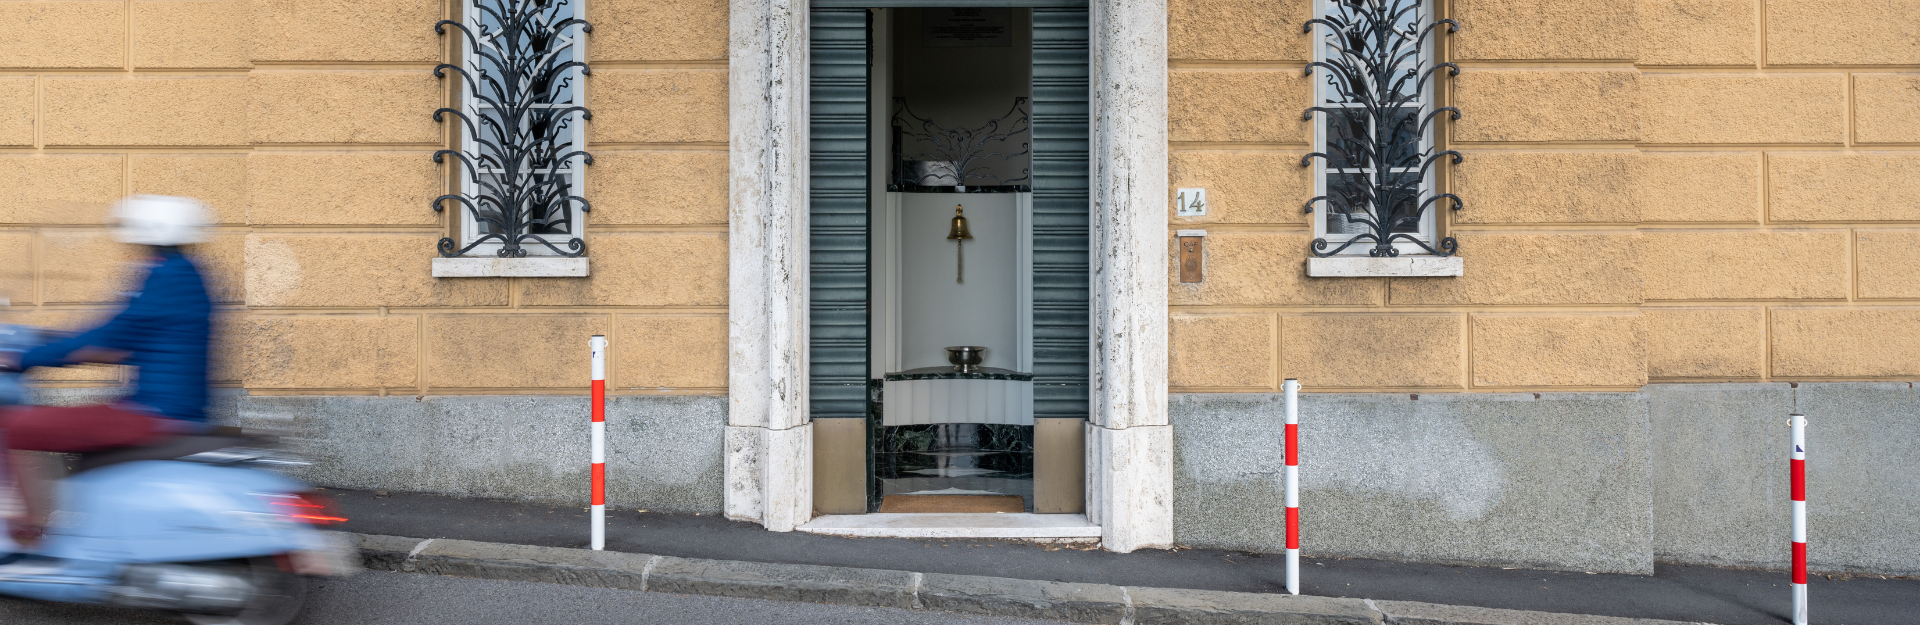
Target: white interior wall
{"type": "Point", "coordinates": [937, 311]}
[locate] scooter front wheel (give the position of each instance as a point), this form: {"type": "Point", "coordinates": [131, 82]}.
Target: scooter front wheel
{"type": "Point", "coordinates": [278, 595]}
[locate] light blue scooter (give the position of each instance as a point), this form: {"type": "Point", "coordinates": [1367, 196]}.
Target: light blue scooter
{"type": "Point", "coordinates": [192, 525]}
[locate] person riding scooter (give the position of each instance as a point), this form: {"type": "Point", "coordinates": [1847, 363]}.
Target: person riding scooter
{"type": "Point", "coordinates": [160, 513]}
{"type": "Point", "coordinates": [162, 332]}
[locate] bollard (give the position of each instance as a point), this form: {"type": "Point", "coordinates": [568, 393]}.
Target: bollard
{"type": "Point", "coordinates": [598, 345]}
{"type": "Point", "coordinates": [1292, 387]}
{"type": "Point", "coordinates": [1797, 474]}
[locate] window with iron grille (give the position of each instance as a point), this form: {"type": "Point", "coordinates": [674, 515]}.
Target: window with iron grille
{"type": "Point", "coordinates": [522, 128]}
{"type": "Point", "coordinates": [1374, 158]}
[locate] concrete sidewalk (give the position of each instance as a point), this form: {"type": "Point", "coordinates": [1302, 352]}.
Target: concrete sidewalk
{"type": "Point", "coordinates": [1674, 593]}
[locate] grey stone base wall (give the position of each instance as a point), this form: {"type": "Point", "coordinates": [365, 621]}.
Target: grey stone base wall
{"type": "Point", "coordinates": [1610, 482]}
{"type": "Point", "coordinates": [663, 453]}
{"type": "Point", "coordinates": [1692, 473]}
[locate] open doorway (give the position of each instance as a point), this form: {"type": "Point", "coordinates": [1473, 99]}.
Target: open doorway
{"type": "Point", "coordinates": [965, 226]}
{"type": "Point", "coordinates": [952, 261]}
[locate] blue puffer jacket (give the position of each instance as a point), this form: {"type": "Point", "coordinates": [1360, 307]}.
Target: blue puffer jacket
{"type": "Point", "coordinates": [165, 327]}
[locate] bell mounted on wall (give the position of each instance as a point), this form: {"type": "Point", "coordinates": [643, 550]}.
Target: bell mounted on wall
{"type": "Point", "coordinates": [958, 234]}
{"type": "Point", "coordinates": [958, 231]}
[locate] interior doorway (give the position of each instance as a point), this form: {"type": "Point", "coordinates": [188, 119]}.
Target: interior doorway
{"type": "Point", "coordinates": [969, 228]}
{"type": "Point", "coordinates": [952, 347]}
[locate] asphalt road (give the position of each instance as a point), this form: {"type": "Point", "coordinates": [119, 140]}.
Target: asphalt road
{"type": "Point", "coordinates": [375, 598]}
{"type": "Point", "coordinates": [1679, 593]}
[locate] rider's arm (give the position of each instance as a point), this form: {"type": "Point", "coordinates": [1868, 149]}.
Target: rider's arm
{"type": "Point", "coordinates": [116, 334]}
{"type": "Point", "coordinates": [86, 347]}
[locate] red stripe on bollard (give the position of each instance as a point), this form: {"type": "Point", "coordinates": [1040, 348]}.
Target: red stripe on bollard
{"type": "Point", "coordinates": [1799, 563]}
{"type": "Point", "coordinates": [1798, 477]}
{"type": "Point", "coordinates": [599, 400]}
{"type": "Point", "coordinates": [600, 484]}
{"type": "Point", "coordinates": [1293, 528]}
{"type": "Point", "coordinates": [1293, 444]}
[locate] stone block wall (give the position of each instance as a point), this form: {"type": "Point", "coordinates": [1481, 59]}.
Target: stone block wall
{"type": "Point", "coordinates": [1675, 191]}
{"type": "Point", "coordinates": [1657, 192]}
{"type": "Point", "coordinates": [1683, 473]}
{"type": "Point", "coordinates": [307, 126]}
{"type": "Point", "coordinates": [1703, 190]}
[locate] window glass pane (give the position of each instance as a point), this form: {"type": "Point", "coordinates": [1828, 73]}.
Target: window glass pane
{"type": "Point", "coordinates": [527, 38]}
{"type": "Point", "coordinates": [1352, 203]}
{"type": "Point", "coordinates": [1376, 57]}
{"type": "Point", "coordinates": [487, 218]}
{"type": "Point", "coordinates": [525, 139]}
{"type": "Point", "coordinates": [1401, 138]}
{"type": "Point", "coordinates": [1349, 196]}
{"type": "Point", "coordinates": [1350, 42]}
{"type": "Point", "coordinates": [495, 131]}
{"type": "Point", "coordinates": [1347, 145]}
{"type": "Point", "coordinates": [550, 213]}
{"type": "Point", "coordinates": [1399, 195]}
{"type": "Point", "coordinates": [1341, 224]}
{"type": "Point", "coordinates": [547, 212]}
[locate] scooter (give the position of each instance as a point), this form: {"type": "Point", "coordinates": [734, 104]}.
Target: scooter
{"type": "Point", "coordinates": [191, 525]}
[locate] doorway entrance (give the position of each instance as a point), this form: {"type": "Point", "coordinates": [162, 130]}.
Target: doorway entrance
{"type": "Point", "coordinates": [949, 293]}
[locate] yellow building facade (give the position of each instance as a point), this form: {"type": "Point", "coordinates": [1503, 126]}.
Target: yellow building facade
{"type": "Point", "coordinates": [1682, 220]}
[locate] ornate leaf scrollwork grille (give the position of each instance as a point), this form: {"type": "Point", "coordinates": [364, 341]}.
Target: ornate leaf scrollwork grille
{"type": "Point", "coordinates": [522, 123]}
{"type": "Point", "coordinates": [954, 156]}
{"type": "Point", "coordinates": [1378, 112]}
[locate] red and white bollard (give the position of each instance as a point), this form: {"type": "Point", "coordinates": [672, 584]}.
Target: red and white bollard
{"type": "Point", "coordinates": [1292, 388]}
{"type": "Point", "coordinates": [598, 345]}
{"type": "Point", "coordinates": [1797, 470]}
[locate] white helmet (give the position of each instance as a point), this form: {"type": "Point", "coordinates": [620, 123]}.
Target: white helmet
{"type": "Point", "coordinates": [159, 220]}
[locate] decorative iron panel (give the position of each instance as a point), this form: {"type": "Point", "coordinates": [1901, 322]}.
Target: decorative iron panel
{"type": "Point", "coordinates": [1376, 151]}
{"type": "Point", "coordinates": [521, 125]}
{"type": "Point", "coordinates": [960, 156]}
{"type": "Point", "coordinates": [1060, 207]}
{"type": "Point", "coordinates": [837, 211]}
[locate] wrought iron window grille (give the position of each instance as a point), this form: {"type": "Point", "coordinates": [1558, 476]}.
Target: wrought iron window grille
{"type": "Point", "coordinates": [1378, 111]}
{"type": "Point", "coordinates": [954, 157]}
{"type": "Point", "coordinates": [522, 125]}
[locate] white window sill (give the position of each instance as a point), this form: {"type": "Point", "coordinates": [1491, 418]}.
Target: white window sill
{"type": "Point", "coordinates": [1409, 266]}
{"type": "Point", "coordinates": [528, 267]}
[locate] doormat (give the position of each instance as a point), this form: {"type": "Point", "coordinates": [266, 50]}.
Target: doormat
{"type": "Point", "coordinates": [952, 503]}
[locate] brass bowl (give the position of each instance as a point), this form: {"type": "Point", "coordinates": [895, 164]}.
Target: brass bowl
{"type": "Point", "coordinates": [966, 358]}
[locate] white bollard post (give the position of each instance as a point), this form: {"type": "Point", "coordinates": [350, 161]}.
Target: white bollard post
{"type": "Point", "coordinates": [1292, 388]}
{"type": "Point", "coordinates": [1797, 474]}
{"type": "Point", "coordinates": [598, 345]}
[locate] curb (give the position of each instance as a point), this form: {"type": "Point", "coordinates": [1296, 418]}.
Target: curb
{"type": "Point", "coordinates": [996, 596]}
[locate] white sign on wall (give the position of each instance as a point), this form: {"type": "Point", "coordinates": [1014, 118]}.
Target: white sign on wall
{"type": "Point", "coordinates": [1190, 203]}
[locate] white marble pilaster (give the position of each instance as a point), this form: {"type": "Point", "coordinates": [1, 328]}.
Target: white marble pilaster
{"type": "Point", "coordinates": [767, 263]}
{"type": "Point", "coordinates": [1129, 213]}
{"type": "Point", "coordinates": [1130, 450]}
{"type": "Point", "coordinates": [1130, 486]}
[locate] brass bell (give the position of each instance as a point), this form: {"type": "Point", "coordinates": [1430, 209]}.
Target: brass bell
{"type": "Point", "coordinates": [958, 234]}
{"type": "Point", "coordinates": [958, 231]}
